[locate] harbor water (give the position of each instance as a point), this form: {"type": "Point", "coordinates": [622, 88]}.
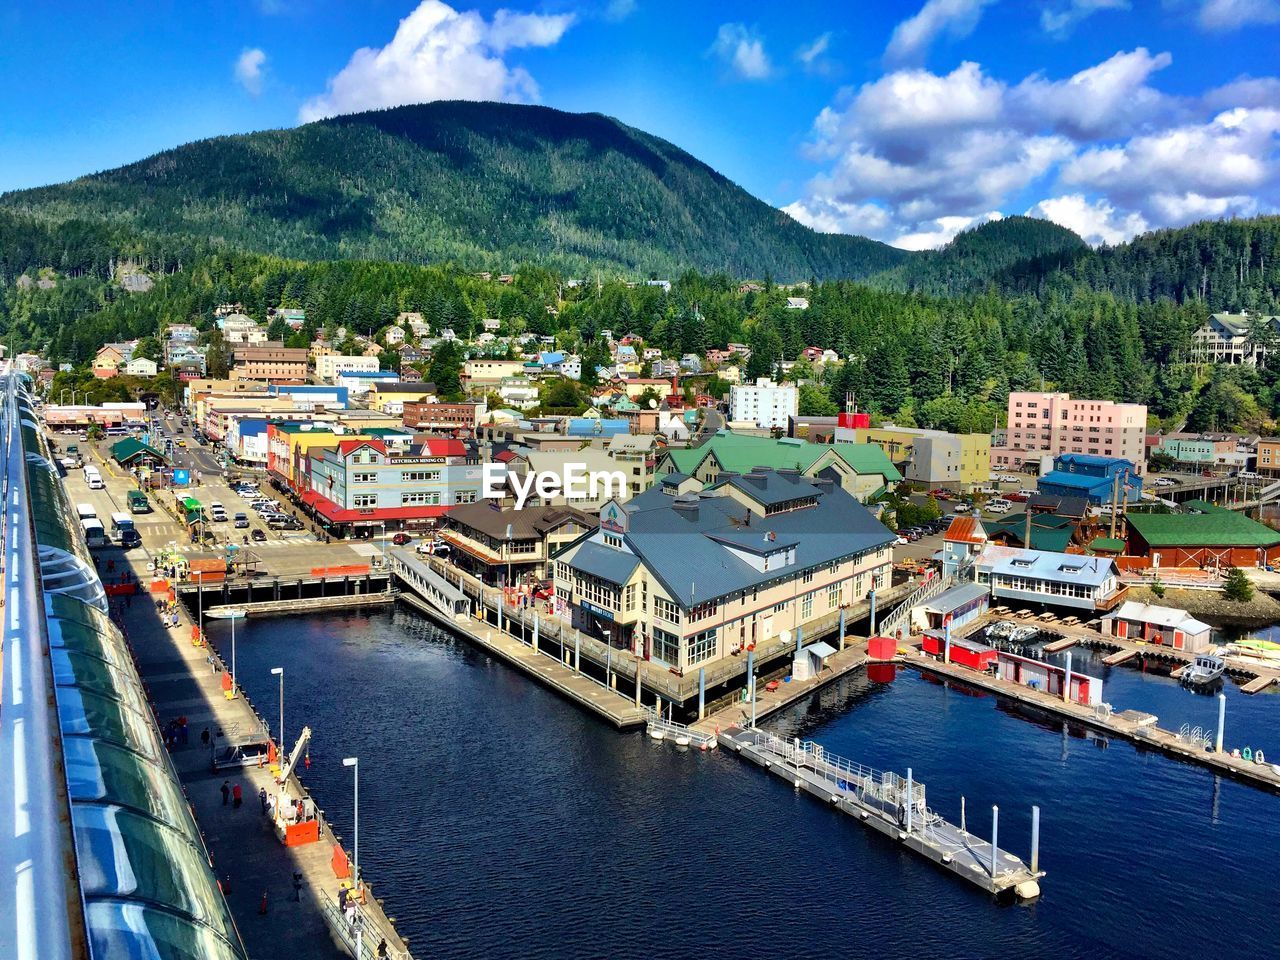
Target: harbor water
{"type": "Point", "coordinates": [498, 820]}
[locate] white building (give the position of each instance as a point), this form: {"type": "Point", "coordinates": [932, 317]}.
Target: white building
{"type": "Point", "coordinates": [764, 403]}
{"type": "Point", "coordinates": [331, 365]}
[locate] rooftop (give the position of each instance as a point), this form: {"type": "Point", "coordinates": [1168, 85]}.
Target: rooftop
{"type": "Point", "coordinates": [1215, 527]}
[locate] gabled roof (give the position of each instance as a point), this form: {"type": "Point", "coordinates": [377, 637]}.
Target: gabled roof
{"type": "Point", "coordinates": [1055, 567]}
{"type": "Point", "coordinates": [1216, 527]}
{"type": "Point", "coordinates": [1048, 531]}
{"type": "Point", "coordinates": [130, 448]}
{"type": "Point", "coordinates": [531, 523]}
{"type": "Point", "coordinates": [1162, 616]}
{"type": "Point", "coordinates": [965, 530]}
{"type": "Point", "coordinates": [348, 446]}
{"type": "Point", "coordinates": [739, 452]}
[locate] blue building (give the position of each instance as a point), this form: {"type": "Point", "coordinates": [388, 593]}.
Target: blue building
{"type": "Point", "coordinates": [1091, 477]}
{"type": "Point", "coordinates": [307, 396]}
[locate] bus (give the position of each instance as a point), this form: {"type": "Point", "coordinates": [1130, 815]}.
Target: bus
{"type": "Point", "coordinates": [120, 522]}
{"type": "Point", "coordinates": [138, 502]}
{"type": "Point", "coordinates": [93, 478]}
{"type": "Point", "coordinates": [86, 512]}
{"type": "Point", "coordinates": [94, 534]}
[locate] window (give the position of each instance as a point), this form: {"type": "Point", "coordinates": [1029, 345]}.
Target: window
{"type": "Point", "coordinates": [833, 596]}
{"type": "Point", "coordinates": [364, 478]}
{"type": "Point", "coordinates": [363, 501]}
{"type": "Point", "coordinates": [611, 540]}
{"type": "Point", "coordinates": [702, 646]}
{"type": "Point", "coordinates": [808, 576]}
{"type": "Point", "coordinates": [806, 606]}
{"type": "Point", "coordinates": [466, 496]}
{"type": "Point", "coordinates": [666, 647]}
{"type": "Point", "coordinates": [419, 476]}
{"type": "Point", "coordinates": [703, 610]}
{"type": "Point", "coordinates": [629, 598]}
{"type": "Point", "coordinates": [419, 499]}
{"type": "Point", "coordinates": [664, 609]}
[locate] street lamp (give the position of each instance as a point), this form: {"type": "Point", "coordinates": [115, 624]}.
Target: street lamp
{"type": "Point", "coordinates": [233, 615]}
{"type": "Point", "coordinates": [354, 764]}
{"type": "Point", "coordinates": [279, 672]}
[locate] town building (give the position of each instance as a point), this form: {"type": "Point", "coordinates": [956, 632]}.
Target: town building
{"type": "Point", "coordinates": [686, 580]}
{"type": "Point", "coordinates": [270, 361]}
{"type": "Point", "coordinates": [1268, 456]}
{"type": "Point", "coordinates": [763, 403]}
{"type": "Point", "coordinates": [390, 396]}
{"type": "Point", "coordinates": [459, 418]}
{"type": "Point", "coordinates": [1018, 576]}
{"type": "Point", "coordinates": [931, 457]}
{"type": "Point", "coordinates": [1208, 537]}
{"type": "Point", "coordinates": [330, 365]}
{"type": "Point", "coordinates": [140, 367]}
{"type": "Point", "coordinates": [1226, 338]}
{"type": "Point", "coordinates": [508, 547]}
{"type": "Point", "coordinates": [485, 373]}
{"type": "Point", "coordinates": [637, 456]}
{"type": "Point", "coordinates": [359, 383]}
{"type": "Point", "coordinates": [1096, 479]}
{"type": "Point", "coordinates": [1050, 424]}
{"type": "Point", "coordinates": [1207, 451]}
{"type": "Point", "coordinates": [862, 470]}
{"type": "Point", "coordinates": [1151, 623]}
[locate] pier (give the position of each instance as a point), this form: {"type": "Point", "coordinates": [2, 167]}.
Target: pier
{"type": "Point", "coordinates": [895, 807]}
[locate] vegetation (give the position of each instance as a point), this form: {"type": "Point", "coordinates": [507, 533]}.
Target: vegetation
{"type": "Point", "coordinates": [1238, 587]}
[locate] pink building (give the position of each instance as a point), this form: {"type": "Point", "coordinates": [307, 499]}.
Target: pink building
{"type": "Point", "coordinates": [1053, 424]}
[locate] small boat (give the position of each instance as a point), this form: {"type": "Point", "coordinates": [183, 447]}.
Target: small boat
{"type": "Point", "coordinates": [1203, 670]}
{"type": "Point", "coordinates": [1262, 649]}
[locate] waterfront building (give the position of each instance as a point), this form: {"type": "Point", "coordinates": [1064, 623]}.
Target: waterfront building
{"type": "Point", "coordinates": [1051, 424]}
{"type": "Point", "coordinates": [1018, 576]}
{"type": "Point", "coordinates": [1268, 457]}
{"type": "Point", "coordinates": [1208, 536]}
{"type": "Point", "coordinates": [934, 458]}
{"type": "Point", "coordinates": [862, 470]}
{"type": "Point", "coordinates": [1204, 451]}
{"type": "Point", "coordinates": [508, 546]}
{"type": "Point", "coordinates": [1151, 623]}
{"type": "Point", "coordinates": [1092, 478]}
{"type": "Point", "coordinates": [1049, 678]}
{"type": "Point", "coordinates": [686, 580]}
{"type": "Point", "coordinates": [764, 403]}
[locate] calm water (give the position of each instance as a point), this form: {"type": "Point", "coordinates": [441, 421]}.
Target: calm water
{"type": "Point", "coordinates": [500, 821]}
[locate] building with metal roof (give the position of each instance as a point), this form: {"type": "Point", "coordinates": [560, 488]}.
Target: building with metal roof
{"type": "Point", "coordinates": [685, 579]}
{"type": "Point", "coordinates": [1211, 536]}
{"type": "Point", "coordinates": [1050, 578]}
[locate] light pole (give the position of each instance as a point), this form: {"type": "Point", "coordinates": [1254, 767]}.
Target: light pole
{"type": "Point", "coordinates": [233, 615]}
{"type": "Point", "coordinates": [279, 672]}
{"type": "Point", "coordinates": [354, 764]}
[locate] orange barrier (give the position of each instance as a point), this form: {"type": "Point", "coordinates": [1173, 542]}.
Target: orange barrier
{"type": "Point", "coordinates": [120, 589]}
{"type": "Point", "coordinates": [159, 586]}
{"type": "Point", "coordinates": [350, 570]}
{"type": "Point", "coordinates": [340, 863]}
{"type": "Point", "coordinates": [299, 834]}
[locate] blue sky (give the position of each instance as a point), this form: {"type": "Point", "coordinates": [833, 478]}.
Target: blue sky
{"type": "Point", "coordinates": [905, 121]}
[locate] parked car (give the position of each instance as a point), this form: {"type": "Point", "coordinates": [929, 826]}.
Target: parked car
{"type": "Point", "coordinates": [1009, 478]}
{"type": "Point", "coordinates": [901, 541]}
{"type": "Point", "coordinates": [998, 506]}
{"type": "Point", "coordinates": [400, 539]}
{"type": "Point", "coordinates": [987, 491]}
{"type": "Point", "coordinates": [1166, 482]}
{"type": "Point", "coordinates": [963, 507]}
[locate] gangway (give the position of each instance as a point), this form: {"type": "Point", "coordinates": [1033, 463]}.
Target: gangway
{"type": "Point", "coordinates": [428, 586]}
{"type": "Point", "coordinates": [681, 734]}
{"type": "Point", "coordinates": [895, 806]}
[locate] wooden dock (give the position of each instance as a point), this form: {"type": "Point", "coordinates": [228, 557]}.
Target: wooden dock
{"type": "Point", "coordinates": [1258, 684]}
{"type": "Point", "coordinates": [1131, 725]}
{"type": "Point", "coordinates": [1057, 646]}
{"type": "Point", "coordinates": [313, 605]}
{"type": "Point", "coordinates": [893, 806]}
{"type": "Point", "coordinates": [1119, 657]}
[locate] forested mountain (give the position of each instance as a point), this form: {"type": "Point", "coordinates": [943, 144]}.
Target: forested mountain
{"type": "Point", "coordinates": [484, 185]}
{"type": "Point", "coordinates": [1007, 252]}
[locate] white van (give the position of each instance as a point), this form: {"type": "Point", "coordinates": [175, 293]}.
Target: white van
{"type": "Point", "coordinates": [86, 512]}
{"type": "Point", "coordinates": [95, 536]}
{"type": "Point", "coordinates": [93, 478]}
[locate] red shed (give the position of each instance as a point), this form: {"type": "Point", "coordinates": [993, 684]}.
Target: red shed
{"type": "Point", "coordinates": [967, 653]}
{"type": "Point", "coordinates": [882, 648]}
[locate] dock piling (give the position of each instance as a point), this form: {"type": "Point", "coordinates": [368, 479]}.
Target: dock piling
{"type": "Point", "coordinates": [841, 642]}
{"type": "Point", "coordinates": [909, 799]}
{"type": "Point", "coordinates": [799, 639]}
{"type": "Point", "coordinates": [1035, 839]}
{"type": "Point", "coordinates": [963, 829]}
{"type": "Point", "coordinates": [639, 685]}
{"type": "Point", "coordinates": [702, 693]}
{"type": "Point", "coordinates": [577, 652]}
{"type": "Point", "coordinates": [1066, 681]}
{"type": "Point", "coordinates": [1222, 721]}
{"type": "Point", "coordinates": [535, 633]}
{"type": "Point", "coordinates": [995, 838]}
{"type": "Point", "coordinates": [946, 640]}
{"type": "Point", "coordinates": [872, 596]}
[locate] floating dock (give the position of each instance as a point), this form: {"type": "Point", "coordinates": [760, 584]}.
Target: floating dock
{"type": "Point", "coordinates": [895, 807]}
{"type": "Point", "coordinates": [1258, 684]}
{"type": "Point", "coordinates": [1119, 657]}
{"type": "Point", "coordinates": [1057, 646]}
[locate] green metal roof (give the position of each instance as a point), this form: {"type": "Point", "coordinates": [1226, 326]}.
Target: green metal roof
{"type": "Point", "coordinates": [739, 452]}
{"type": "Point", "coordinates": [1107, 543]}
{"type": "Point", "coordinates": [130, 448]}
{"type": "Point", "coordinates": [1216, 527]}
{"type": "Point", "coordinates": [1048, 531]}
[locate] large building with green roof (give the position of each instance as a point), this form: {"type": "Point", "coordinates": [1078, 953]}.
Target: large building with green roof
{"type": "Point", "coordinates": [1208, 536]}
{"type": "Point", "coordinates": [862, 469]}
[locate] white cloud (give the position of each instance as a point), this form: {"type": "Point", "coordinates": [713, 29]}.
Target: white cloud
{"type": "Point", "coordinates": [943, 231]}
{"type": "Point", "coordinates": [438, 53]}
{"type": "Point", "coordinates": [912, 153]}
{"type": "Point", "coordinates": [1097, 221]}
{"type": "Point", "coordinates": [813, 56]}
{"type": "Point", "coordinates": [912, 37]}
{"type": "Point", "coordinates": [742, 52]}
{"type": "Point", "coordinates": [1059, 19]}
{"type": "Point", "coordinates": [619, 9]}
{"type": "Point", "coordinates": [250, 69]}
{"type": "Point", "coordinates": [1234, 14]}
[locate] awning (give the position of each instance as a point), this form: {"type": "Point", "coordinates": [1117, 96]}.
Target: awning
{"type": "Point", "coordinates": [822, 650]}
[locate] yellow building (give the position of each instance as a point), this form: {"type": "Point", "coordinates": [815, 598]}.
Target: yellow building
{"type": "Point", "coordinates": [934, 458]}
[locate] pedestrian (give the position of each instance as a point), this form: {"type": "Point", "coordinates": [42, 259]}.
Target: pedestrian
{"type": "Point", "coordinates": [342, 898]}
{"type": "Point", "coordinates": [204, 737]}
{"type": "Point", "coordinates": [300, 811]}
{"type": "Point", "coordinates": [262, 798]}
{"type": "Point", "coordinates": [271, 808]}
{"type": "Point", "coordinates": [226, 791]}
{"type": "Point", "coordinates": [297, 887]}
{"type": "Point", "coordinates": [237, 796]}
{"type": "Point", "coordinates": [382, 947]}
{"type": "Point", "coordinates": [183, 734]}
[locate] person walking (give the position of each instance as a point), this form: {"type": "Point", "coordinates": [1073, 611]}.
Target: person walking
{"type": "Point", "coordinates": [382, 947]}
{"type": "Point", "coordinates": [226, 791]}
{"type": "Point", "coordinates": [204, 736]}
{"type": "Point", "coordinates": [297, 887]}
{"type": "Point", "coordinates": [262, 799]}
{"type": "Point", "coordinates": [237, 796]}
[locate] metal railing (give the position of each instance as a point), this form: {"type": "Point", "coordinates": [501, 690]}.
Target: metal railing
{"type": "Point", "coordinates": [902, 613]}
{"type": "Point", "coordinates": [41, 905]}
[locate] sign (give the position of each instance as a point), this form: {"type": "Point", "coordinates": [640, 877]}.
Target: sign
{"type": "Point", "coordinates": [181, 478]}
{"type": "Point", "coordinates": [598, 611]}
{"type": "Point", "coordinates": [613, 519]}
